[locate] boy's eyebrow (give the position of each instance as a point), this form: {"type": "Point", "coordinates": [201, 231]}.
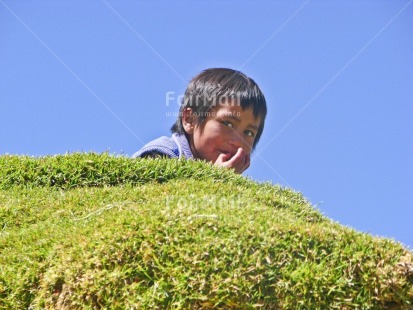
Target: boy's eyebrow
{"type": "Point", "coordinates": [235, 118]}
{"type": "Point", "coordinates": [253, 127]}
{"type": "Point", "coordinates": [232, 116]}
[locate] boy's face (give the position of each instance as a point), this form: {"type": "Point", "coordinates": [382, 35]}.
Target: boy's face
{"type": "Point", "coordinates": [225, 138]}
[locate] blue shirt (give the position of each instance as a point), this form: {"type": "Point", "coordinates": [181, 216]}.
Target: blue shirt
{"type": "Point", "coordinates": [176, 146]}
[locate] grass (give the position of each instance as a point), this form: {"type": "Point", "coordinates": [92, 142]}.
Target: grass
{"type": "Point", "coordinates": [94, 231]}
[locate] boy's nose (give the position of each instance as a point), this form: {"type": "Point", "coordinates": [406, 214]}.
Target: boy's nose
{"type": "Point", "coordinates": [237, 141]}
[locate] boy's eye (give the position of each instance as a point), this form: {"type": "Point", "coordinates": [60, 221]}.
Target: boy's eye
{"type": "Point", "coordinates": [228, 124]}
{"type": "Point", "coordinates": [249, 133]}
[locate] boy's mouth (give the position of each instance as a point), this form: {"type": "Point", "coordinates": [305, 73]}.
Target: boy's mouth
{"type": "Point", "coordinates": [231, 153]}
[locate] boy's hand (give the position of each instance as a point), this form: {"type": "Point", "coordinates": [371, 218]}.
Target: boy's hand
{"type": "Point", "coordinates": [239, 162]}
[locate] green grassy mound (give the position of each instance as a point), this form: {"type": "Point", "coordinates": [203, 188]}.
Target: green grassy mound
{"type": "Point", "coordinates": [87, 231]}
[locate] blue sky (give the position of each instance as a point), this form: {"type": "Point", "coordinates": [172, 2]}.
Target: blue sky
{"type": "Point", "coordinates": [337, 76]}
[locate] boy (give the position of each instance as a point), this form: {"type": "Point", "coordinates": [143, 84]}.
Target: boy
{"type": "Point", "coordinates": [220, 120]}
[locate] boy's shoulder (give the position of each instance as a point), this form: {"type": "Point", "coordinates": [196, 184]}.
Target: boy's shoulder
{"type": "Point", "coordinates": [160, 146]}
{"type": "Point", "coordinates": [172, 147]}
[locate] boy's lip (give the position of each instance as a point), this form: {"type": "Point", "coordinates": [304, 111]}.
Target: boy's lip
{"type": "Point", "coordinates": [232, 153]}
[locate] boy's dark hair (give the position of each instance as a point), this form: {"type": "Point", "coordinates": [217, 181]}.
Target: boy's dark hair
{"type": "Point", "coordinates": [219, 85]}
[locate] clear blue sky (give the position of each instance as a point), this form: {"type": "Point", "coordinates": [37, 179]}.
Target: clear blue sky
{"type": "Point", "coordinates": [337, 76]}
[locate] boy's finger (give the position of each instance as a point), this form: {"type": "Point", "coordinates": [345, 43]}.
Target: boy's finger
{"type": "Point", "coordinates": [222, 158]}
{"type": "Point", "coordinates": [238, 161]}
{"type": "Point", "coordinates": [239, 154]}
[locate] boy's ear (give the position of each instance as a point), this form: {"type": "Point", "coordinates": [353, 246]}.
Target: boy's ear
{"type": "Point", "coordinates": [188, 120]}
